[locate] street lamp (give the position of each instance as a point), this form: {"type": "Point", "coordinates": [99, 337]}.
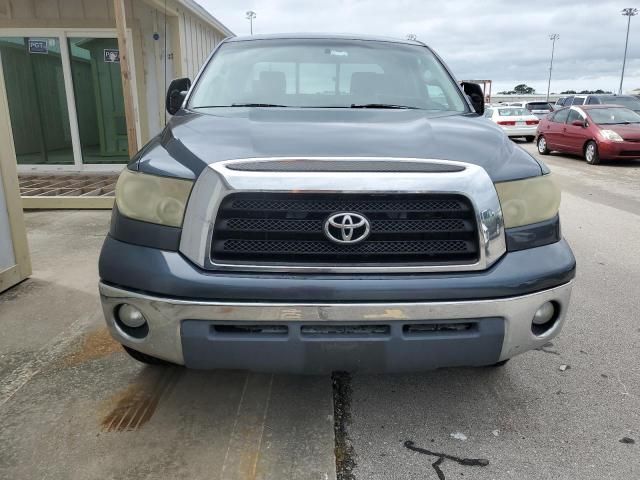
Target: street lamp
{"type": "Point", "coordinates": [250, 16]}
{"type": "Point", "coordinates": [627, 12]}
{"type": "Point", "coordinates": [553, 37]}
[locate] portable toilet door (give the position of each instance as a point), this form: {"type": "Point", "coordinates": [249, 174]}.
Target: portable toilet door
{"type": "Point", "coordinates": [15, 263]}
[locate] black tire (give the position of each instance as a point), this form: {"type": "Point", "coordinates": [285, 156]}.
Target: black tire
{"type": "Point", "coordinates": [591, 154]}
{"type": "Point", "coordinates": [501, 363]}
{"type": "Point", "coordinates": [529, 139]}
{"type": "Point", "coordinates": [143, 357]}
{"type": "Point", "coordinates": [543, 149]}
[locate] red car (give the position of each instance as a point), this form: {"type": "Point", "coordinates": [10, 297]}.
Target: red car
{"type": "Point", "coordinates": [598, 132]}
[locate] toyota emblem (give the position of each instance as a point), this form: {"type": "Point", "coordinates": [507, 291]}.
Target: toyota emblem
{"type": "Point", "coordinates": [347, 227]}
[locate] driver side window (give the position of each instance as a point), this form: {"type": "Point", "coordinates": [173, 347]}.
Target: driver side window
{"type": "Point", "coordinates": [573, 116]}
{"type": "Point", "coordinates": [561, 116]}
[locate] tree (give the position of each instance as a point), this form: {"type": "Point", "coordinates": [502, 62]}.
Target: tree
{"type": "Point", "coordinates": [523, 89]}
{"type": "Point", "coordinates": [568, 92]}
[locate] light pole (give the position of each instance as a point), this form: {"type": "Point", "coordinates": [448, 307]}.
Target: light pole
{"type": "Point", "coordinates": [553, 37]}
{"type": "Point", "coordinates": [250, 16]}
{"type": "Point", "coordinates": [627, 12]}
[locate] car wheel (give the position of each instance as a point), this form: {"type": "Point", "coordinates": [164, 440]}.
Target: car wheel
{"type": "Point", "coordinates": [542, 146]}
{"type": "Point", "coordinates": [144, 358]}
{"type": "Point", "coordinates": [591, 154]}
{"type": "Point", "coordinates": [529, 139]}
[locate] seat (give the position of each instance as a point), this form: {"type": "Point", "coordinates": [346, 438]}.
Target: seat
{"type": "Point", "coordinates": [365, 87]}
{"type": "Point", "coordinates": [271, 87]}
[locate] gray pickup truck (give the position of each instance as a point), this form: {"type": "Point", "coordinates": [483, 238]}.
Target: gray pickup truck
{"type": "Point", "coordinates": [324, 202]}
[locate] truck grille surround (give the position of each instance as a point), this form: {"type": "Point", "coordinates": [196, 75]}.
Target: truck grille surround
{"type": "Point", "coordinates": [288, 228]}
{"type": "Point", "coordinates": [347, 215]}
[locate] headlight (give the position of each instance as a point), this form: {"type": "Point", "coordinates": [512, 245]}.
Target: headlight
{"type": "Point", "coordinates": [611, 135]}
{"type": "Point", "coordinates": [528, 201]}
{"type": "Point", "coordinates": [151, 198]}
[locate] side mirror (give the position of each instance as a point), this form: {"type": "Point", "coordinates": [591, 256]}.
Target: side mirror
{"type": "Point", "coordinates": [476, 95]}
{"type": "Point", "coordinates": [578, 123]}
{"type": "Point", "coordinates": [176, 93]}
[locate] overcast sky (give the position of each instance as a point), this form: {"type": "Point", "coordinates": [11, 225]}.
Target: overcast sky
{"type": "Point", "coordinates": [502, 40]}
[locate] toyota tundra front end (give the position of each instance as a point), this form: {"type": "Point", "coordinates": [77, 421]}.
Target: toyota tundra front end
{"type": "Point", "coordinates": [323, 203]}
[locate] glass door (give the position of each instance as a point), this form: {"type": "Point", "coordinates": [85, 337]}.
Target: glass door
{"type": "Point", "coordinates": [99, 101]}
{"type": "Point", "coordinates": [34, 83]}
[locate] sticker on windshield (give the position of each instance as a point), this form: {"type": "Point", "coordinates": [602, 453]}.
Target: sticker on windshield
{"type": "Point", "coordinates": [337, 53]}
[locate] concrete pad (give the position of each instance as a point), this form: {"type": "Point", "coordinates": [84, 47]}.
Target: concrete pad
{"type": "Point", "coordinates": [73, 405]}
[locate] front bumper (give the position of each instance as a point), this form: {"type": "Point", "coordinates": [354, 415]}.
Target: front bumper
{"type": "Point", "coordinates": [378, 337]}
{"type": "Point", "coordinates": [619, 150]}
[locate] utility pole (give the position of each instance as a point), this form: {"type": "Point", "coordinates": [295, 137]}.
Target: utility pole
{"type": "Point", "coordinates": [250, 16]}
{"type": "Point", "coordinates": [553, 37]}
{"type": "Point", "coordinates": [627, 12]}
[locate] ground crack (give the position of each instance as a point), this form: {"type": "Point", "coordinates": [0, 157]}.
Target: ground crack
{"type": "Point", "coordinates": [345, 456]}
{"type": "Point", "coordinates": [468, 462]}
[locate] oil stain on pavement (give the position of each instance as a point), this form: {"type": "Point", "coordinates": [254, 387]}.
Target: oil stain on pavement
{"type": "Point", "coordinates": [96, 344]}
{"type": "Point", "coordinates": [134, 406]}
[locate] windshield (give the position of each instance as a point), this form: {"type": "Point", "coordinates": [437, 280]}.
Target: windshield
{"type": "Point", "coordinates": [326, 73]}
{"type": "Point", "coordinates": [538, 106]}
{"type": "Point", "coordinates": [512, 112]}
{"type": "Point", "coordinates": [613, 116]}
{"type": "Point", "coordinates": [629, 102]}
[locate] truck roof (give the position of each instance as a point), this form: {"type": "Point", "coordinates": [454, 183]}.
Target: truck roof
{"type": "Point", "coordinates": [327, 36]}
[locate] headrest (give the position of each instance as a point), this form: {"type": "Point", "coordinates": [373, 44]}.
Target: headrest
{"type": "Point", "coordinates": [273, 82]}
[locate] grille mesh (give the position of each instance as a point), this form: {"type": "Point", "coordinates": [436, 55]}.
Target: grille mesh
{"type": "Point", "coordinates": [310, 247]}
{"type": "Point", "coordinates": [288, 228]}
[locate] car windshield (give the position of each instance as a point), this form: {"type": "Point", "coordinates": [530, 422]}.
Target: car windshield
{"type": "Point", "coordinates": [538, 106]}
{"type": "Point", "coordinates": [327, 73]}
{"type": "Point", "coordinates": [629, 102]}
{"type": "Point", "coordinates": [613, 116]}
{"type": "Point", "coordinates": [512, 112]}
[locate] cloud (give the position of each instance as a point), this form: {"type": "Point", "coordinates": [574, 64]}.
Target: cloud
{"type": "Point", "coordinates": [502, 40]}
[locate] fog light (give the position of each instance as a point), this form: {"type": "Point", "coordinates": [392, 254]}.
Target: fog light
{"type": "Point", "coordinates": [544, 313]}
{"type": "Point", "coordinates": [131, 316]}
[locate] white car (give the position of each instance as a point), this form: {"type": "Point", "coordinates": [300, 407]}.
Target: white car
{"type": "Point", "coordinates": [515, 121]}
{"type": "Point", "coordinates": [539, 109]}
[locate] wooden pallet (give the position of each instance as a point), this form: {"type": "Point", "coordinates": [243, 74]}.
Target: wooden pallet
{"type": "Point", "coordinates": [67, 191]}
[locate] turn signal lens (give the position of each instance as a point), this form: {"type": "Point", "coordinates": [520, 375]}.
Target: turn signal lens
{"type": "Point", "coordinates": [151, 198]}
{"type": "Point", "coordinates": [528, 201]}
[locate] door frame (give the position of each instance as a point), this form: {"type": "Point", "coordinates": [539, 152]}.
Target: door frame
{"type": "Point", "coordinates": [63, 34]}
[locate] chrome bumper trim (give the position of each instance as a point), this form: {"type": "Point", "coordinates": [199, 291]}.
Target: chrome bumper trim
{"type": "Point", "coordinates": [165, 315]}
{"type": "Point", "coordinates": [217, 181]}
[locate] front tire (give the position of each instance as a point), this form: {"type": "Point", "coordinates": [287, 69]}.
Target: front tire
{"type": "Point", "coordinates": [543, 149]}
{"type": "Point", "coordinates": [591, 154]}
{"type": "Point", "coordinates": [529, 139]}
{"type": "Point", "coordinates": [143, 357]}
{"type": "Point", "coordinates": [501, 363]}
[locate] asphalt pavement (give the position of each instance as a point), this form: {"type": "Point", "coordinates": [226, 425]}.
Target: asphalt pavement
{"type": "Point", "coordinates": [73, 405]}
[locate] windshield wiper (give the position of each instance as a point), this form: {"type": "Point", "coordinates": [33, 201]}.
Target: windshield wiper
{"type": "Point", "coordinates": [242, 105]}
{"type": "Point", "coordinates": [382, 105]}
{"type": "Point", "coordinates": [257, 105]}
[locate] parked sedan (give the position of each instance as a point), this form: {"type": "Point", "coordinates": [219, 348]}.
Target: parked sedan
{"type": "Point", "coordinates": [515, 121]}
{"type": "Point", "coordinates": [598, 132]}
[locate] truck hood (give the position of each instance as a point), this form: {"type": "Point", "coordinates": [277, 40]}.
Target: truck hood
{"type": "Point", "coordinates": [191, 141]}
